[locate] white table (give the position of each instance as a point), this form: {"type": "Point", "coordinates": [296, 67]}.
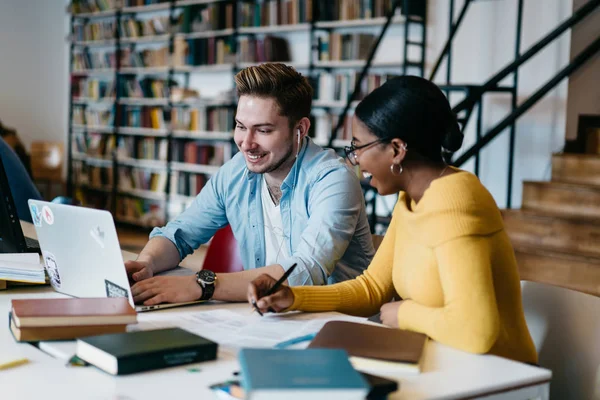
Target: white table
{"type": "Point", "coordinates": [447, 373]}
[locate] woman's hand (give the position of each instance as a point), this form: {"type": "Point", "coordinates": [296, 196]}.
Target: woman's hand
{"type": "Point", "coordinates": [389, 313]}
{"type": "Point", "coordinates": [280, 300]}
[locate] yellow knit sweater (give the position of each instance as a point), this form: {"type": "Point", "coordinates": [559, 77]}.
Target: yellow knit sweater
{"type": "Point", "coordinates": [449, 258]}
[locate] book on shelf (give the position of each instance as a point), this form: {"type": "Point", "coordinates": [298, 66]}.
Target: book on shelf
{"type": "Point", "coordinates": [142, 179]}
{"type": "Point", "coordinates": [374, 347]}
{"type": "Point", "coordinates": [93, 89]}
{"type": "Point", "coordinates": [32, 313]}
{"type": "Point", "coordinates": [144, 212]}
{"type": "Point", "coordinates": [269, 48]}
{"type": "Point", "coordinates": [126, 353]}
{"type": "Point", "coordinates": [344, 46]}
{"type": "Point", "coordinates": [130, 27]}
{"type": "Point", "coordinates": [343, 10]}
{"type": "Point", "coordinates": [92, 6]}
{"type": "Point", "coordinates": [102, 30]}
{"type": "Point", "coordinates": [299, 374]}
{"type": "Point", "coordinates": [206, 17]}
{"type": "Point", "coordinates": [338, 87]}
{"type": "Point", "coordinates": [203, 51]}
{"type": "Point", "coordinates": [272, 13]}
{"type": "Point", "coordinates": [135, 116]}
{"type": "Point", "coordinates": [140, 3]}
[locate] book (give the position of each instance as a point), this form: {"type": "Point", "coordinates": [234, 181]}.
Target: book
{"type": "Point", "coordinates": [30, 313]}
{"type": "Point", "coordinates": [298, 374]}
{"type": "Point", "coordinates": [37, 334]}
{"type": "Point", "coordinates": [126, 353]}
{"type": "Point", "coordinates": [21, 267]}
{"type": "Point", "coordinates": [373, 347]}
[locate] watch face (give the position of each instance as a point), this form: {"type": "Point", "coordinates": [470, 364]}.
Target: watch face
{"type": "Point", "coordinates": [207, 276]}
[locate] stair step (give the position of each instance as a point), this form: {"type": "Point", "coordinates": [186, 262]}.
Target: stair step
{"type": "Point", "coordinates": [576, 168]}
{"type": "Point", "coordinates": [554, 232]}
{"type": "Point", "coordinates": [575, 272]}
{"type": "Point", "coordinates": [562, 198]}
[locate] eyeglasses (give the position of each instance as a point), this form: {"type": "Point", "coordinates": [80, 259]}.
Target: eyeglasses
{"type": "Point", "coordinates": [351, 150]}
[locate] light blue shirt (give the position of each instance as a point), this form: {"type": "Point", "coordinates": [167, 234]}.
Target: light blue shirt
{"type": "Point", "coordinates": [322, 212]}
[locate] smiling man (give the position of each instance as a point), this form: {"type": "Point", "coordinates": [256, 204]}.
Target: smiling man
{"type": "Point", "coordinates": [287, 200]}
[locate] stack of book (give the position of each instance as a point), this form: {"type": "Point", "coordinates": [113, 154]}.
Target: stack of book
{"type": "Point", "coordinates": [33, 320]}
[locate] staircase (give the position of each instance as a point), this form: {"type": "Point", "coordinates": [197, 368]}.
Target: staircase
{"type": "Point", "coordinates": [556, 234]}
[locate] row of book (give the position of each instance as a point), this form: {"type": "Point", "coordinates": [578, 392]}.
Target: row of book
{"type": "Point", "coordinates": [324, 125]}
{"type": "Point", "coordinates": [90, 117]}
{"type": "Point", "coordinates": [133, 28]}
{"type": "Point", "coordinates": [187, 183]}
{"type": "Point", "coordinates": [206, 17]}
{"type": "Point", "coordinates": [207, 51]}
{"type": "Point", "coordinates": [90, 6]}
{"type": "Point", "coordinates": [348, 46]}
{"type": "Point", "coordinates": [334, 10]}
{"type": "Point", "coordinates": [269, 48]}
{"type": "Point", "coordinates": [89, 175]}
{"type": "Point", "coordinates": [142, 179]}
{"type": "Point", "coordinates": [94, 144]}
{"type": "Point", "coordinates": [339, 87]}
{"type": "Point", "coordinates": [275, 12]}
{"type": "Point", "coordinates": [92, 88]}
{"type": "Point", "coordinates": [103, 30]}
{"type": "Point", "coordinates": [201, 152]}
{"type": "Point", "coordinates": [98, 59]}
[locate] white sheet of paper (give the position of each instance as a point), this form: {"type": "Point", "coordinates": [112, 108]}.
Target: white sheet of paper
{"type": "Point", "coordinates": [20, 258]}
{"type": "Point", "coordinates": [237, 330]}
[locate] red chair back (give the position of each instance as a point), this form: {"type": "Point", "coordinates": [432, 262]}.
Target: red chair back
{"type": "Point", "coordinates": [222, 254]}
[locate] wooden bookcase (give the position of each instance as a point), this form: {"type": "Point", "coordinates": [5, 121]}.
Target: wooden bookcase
{"type": "Point", "coordinates": [141, 144]}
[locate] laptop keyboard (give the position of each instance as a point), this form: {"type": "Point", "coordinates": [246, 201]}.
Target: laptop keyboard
{"type": "Point", "coordinates": [32, 244]}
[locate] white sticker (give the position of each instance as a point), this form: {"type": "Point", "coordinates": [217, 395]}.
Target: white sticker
{"type": "Point", "coordinates": [48, 215]}
{"type": "Point", "coordinates": [36, 215]}
{"type": "Point", "coordinates": [98, 234]}
{"type": "Point", "coordinates": [52, 269]}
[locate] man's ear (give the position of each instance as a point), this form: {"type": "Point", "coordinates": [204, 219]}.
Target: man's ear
{"type": "Point", "coordinates": [303, 125]}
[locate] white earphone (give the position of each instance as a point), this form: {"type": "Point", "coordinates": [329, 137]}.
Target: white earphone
{"type": "Point", "coordinates": [298, 150]}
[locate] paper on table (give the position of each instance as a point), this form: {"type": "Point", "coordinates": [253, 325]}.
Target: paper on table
{"type": "Point", "coordinates": [236, 330]}
{"type": "Point", "coordinates": [21, 267]}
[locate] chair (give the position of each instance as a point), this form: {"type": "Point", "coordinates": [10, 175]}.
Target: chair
{"type": "Point", "coordinates": [47, 159]}
{"type": "Point", "coordinates": [565, 327]}
{"type": "Point", "coordinates": [223, 253]}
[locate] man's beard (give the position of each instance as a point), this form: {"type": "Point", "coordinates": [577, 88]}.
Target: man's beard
{"type": "Point", "coordinates": [279, 162]}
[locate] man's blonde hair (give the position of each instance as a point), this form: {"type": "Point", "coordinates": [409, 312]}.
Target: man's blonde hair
{"type": "Point", "coordinates": [288, 87]}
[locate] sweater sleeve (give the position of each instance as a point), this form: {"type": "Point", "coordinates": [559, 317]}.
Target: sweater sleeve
{"type": "Point", "coordinates": [362, 296]}
{"type": "Point", "coordinates": [469, 319]}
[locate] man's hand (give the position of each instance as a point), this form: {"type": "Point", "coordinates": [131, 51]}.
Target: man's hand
{"type": "Point", "coordinates": [280, 300]}
{"type": "Point", "coordinates": [389, 313]}
{"type": "Point", "coordinates": [166, 289]}
{"type": "Point", "coordinates": [138, 270]}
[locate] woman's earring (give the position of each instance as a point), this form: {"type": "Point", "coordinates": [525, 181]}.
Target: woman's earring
{"type": "Point", "coordinates": [396, 169]}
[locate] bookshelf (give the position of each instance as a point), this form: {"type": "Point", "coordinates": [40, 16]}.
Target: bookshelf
{"type": "Point", "coordinates": [143, 142]}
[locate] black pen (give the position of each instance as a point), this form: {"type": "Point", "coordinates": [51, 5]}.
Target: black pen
{"type": "Point", "coordinates": [281, 280]}
{"type": "Point", "coordinates": [275, 286]}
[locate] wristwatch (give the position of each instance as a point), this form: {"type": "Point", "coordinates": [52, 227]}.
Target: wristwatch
{"type": "Point", "coordinates": [206, 279]}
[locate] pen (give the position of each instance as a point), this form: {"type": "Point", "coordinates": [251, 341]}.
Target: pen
{"type": "Point", "coordinates": [14, 363]}
{"type": "Point", "coordinates": [296, 340]}
{"type": "Point", "coordinates": [281, 280]}
{"type": "Point", "coordinates": [276, 286]}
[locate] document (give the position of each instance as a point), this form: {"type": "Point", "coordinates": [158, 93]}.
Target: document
{"type": "Point", "coordinates": [23, 267]}
{"type": "Point", "coordinates": [236, 330]}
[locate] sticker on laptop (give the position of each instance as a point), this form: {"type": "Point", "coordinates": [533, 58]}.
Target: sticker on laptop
{"type": "Point", "coordinates": [98, 235]}
{"type": "Point", "coordinates": [36, 214]}
{"type": "Point", "coordinates": [52, 269]}
{"type": "Point", "coordinates": [48, 215]}
{"type": "Point", "coordinates": [114, 290]}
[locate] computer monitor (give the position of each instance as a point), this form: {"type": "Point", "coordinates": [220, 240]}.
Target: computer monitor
{"type": "Point", "coordinates": [12, 239]}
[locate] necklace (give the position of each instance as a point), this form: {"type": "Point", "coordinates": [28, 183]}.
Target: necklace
{"type": "Point", "coordinates": [442, 173]}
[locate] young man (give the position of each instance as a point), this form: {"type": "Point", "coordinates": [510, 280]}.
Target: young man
{"type": "Point", "coordinates": [287, 201]}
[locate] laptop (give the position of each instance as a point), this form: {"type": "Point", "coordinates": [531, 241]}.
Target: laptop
{"type": "Point", "coordinates": [12, 239]}
{"type": "Point", "coordinates": [81, 252]}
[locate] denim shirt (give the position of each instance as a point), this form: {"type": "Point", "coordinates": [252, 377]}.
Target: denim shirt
{"type": "Point", "coordinates": [322, 212]}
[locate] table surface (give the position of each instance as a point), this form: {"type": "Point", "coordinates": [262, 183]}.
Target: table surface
{"type": "Point", "coordinates": [446, 372]}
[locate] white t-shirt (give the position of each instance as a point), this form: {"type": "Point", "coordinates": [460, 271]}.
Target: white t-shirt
{"type": "Point", "coordinates": [275, 246]}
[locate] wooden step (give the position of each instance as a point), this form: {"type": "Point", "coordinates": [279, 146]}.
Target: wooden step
{"type": "Point", "coordinates": [562, 198]}
{"type": "Point", "coordinates": [553, 232]}
{"type": "Point", "coordinates": [576, 168]}
{"type": "Point", "coordinates": [570, 271]}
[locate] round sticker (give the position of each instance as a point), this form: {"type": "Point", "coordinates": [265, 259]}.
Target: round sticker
{"type": "Point", "coordinates": [48, 215]}
{"type": "Point", "coordinates": [52, 269]}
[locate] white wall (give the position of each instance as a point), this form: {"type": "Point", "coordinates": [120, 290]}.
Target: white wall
{"type": "Point", "coordinates": [483, 46]}
{"type": "Point", "coordinates": [34, 76]}
{"type": "Point", "coordinates": [584, 85]}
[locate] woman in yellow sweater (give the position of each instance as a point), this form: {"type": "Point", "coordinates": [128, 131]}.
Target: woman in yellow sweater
{"type": "Point", "coordinates": [445, 254]}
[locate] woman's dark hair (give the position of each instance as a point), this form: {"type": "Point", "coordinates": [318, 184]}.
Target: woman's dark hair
{"type": "Point", "coordinates": [415, 110]}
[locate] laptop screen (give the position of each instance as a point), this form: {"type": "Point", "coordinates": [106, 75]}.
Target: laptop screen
{"type": "Point", "coordinates": [11, 235]}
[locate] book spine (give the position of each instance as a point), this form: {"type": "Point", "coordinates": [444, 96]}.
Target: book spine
{"type": "Point", "coordinates": [165, 359]}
